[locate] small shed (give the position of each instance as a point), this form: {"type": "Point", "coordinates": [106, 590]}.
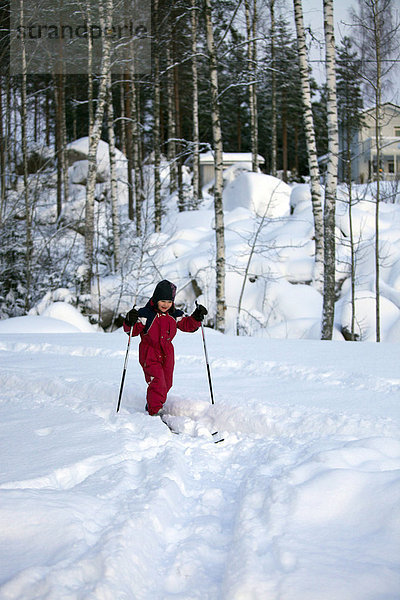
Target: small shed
{"type": "Point", "coordinates": [243, 159]}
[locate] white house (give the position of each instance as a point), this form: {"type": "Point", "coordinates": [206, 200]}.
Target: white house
{"type": "Point", "coordinates": [363, 150]}
{"type": "Point", "coordinates": [242, 159]}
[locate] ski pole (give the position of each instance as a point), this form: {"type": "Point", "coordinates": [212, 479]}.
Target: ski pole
{"type": "Point", "coordinates": [124, 371]}
{"type": "Point", "coordinates": [206, 357]}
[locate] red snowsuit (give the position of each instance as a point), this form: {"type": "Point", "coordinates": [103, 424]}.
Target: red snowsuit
{"type": "Point", "coordinates": [156, 352]}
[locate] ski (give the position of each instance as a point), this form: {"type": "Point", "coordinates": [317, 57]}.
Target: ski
{"type": "Point", "coordinates": [217, 438]}
{"type": "Point", "coordinates": [172, 430]}
{"type": "Point", "coordinates": [215, 435]}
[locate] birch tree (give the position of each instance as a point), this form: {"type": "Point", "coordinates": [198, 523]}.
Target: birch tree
{"type": "Point", "coordinates": [195, 106]}
{"type": "Point", "coordinates": [350, 120]}
{"type": "Point", "coordinates": [106, 23]}
{"type": "Point", "coordinates": [171, 146]}
{"type": "Point", "coordinates": [136, 183]}
{"type": "Point", "coordinates": [251, 26]}
{"type": "Point", "coordinates": [3, 146]}
{"type": "Point", "coordinates": [274, 140]}
{"type": "Point", "coordinates": [128, 87]}
{"type": "Point", "coordinates": [332, 174]}
{"type": "Point", "coordinates": [377, 39]}
{"type": "Point", "coordinates": [113, 176]}
{"type": "Point", "coordinates": [311, 146]}
{"type": "Point", "coordinates": [156, 121]}
{"type": "Point", "coordinates": [60, 139]}
{"type": "Point", "coordinates": [218, 170]}
{"type": "Point", "coordinates": [28, 213]}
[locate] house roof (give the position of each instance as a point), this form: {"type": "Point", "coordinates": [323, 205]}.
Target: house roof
{"type": "Point", "coordinates": [385, 104]}
{"type": "Point", "coordinates": [229, 157]}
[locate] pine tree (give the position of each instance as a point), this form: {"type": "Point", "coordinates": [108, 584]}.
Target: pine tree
{"type": "Point", "coordinates": [281, 71]}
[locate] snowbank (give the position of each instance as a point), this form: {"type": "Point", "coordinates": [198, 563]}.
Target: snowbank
{"type": "Point", "coordinates": [57, 317]}
{"type": "Point", "coordinates": [301, 500]}
{"type": "Point", "coordinates": [20, 325]}
{"type": "Point", "coordinates": [262, 194]}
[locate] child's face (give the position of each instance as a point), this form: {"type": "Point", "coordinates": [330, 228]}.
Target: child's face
{"type": "Point", "coordinates": [164, 305]}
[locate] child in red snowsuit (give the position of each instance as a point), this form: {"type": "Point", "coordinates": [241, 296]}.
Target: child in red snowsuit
{"type": "Point", "coordinates": [157, 324]}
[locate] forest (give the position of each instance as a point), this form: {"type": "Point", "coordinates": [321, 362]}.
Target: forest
{"type": "Point", "coordinates": [161, 83]}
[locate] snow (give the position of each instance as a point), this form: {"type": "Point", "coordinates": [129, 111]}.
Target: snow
{"type": "Point", "coordinates": [269, 251]}
{"type": "Point", "coordinates": [301, 501]}
{"type": "Point", "coordinates": [56, 317]}
{"type": "Point", "coordinates": [262, 194]}
{"type": "Point", "coordinates": [269, 234]}
{"type": "Point", "coordinates": [36, 325]}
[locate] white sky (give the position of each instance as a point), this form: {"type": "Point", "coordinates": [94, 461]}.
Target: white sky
{"type": "Point", "coordinates": [313, 17]}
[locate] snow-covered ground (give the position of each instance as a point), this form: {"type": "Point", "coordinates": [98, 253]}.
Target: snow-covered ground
{"type": "Point", "coordinates": [300, 502]}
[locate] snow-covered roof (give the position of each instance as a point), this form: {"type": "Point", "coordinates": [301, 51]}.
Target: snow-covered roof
{"type": "Point", "coordinates": [393, 106]}
{"type": "Point", "coordinates": [230, 157]}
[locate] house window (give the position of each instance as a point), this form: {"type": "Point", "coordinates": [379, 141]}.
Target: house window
{"type": "Point", "coordinates": [390, 163]}
{"type": "Point", "coordinates": [397, 131]}
{"type": "Point", "coordinates": [374, 165]}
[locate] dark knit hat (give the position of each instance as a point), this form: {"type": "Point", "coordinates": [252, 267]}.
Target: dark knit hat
{"type": "Point", "coordinates": [165, 290]}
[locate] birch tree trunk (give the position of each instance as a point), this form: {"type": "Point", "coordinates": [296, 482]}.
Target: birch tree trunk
{"type": "Point", "coordinates": [284, 126]}
{"type": "Point", "coordinates": [64, 144]}
{"type": "Point", "coordinates": [311, 147]}
{"type": "Point", "coordinates": [129, 144]}
{"type": "Point", "coordinates": [90, 68]}
{"type": "Point", "coordinates": [378, 27]}
{"type": "Point", "coordinates": [378, 128]}
{"type": "Point", "coordinates": [179, 146]}
{"type": "Point", "coordinates": [61, 130]}
{"type": "Point", "coordinates": [122, 129]}
{"type": "Point", "coordinates": [218, 170]}
{"type": "Point", "coordinates": [195, 108]}
{"type": "Point", "coordinates": [134, 142]}
{"type": "Point", "coordinates": [106, 22]}
{"type": "Point", "coordinates": [28, 215]}
{"type": "Point", "coordinates": [59, 140]}
{"type": "Point", "coordinates": [252, 75]}
{"type": "Point", "coordinates": [351, 236]}
{"type": "Point", "coordinates": [274, 143]}
{"type": "Point", "coordinates": [171, 147]}
{"type": "Point", "coordinates": [157, 124]}
{"type": "Point", "coordinates": [3, 146]}
{"type": "Point", "coordinates": [331, 179]}
{"type": "Point", "coordinates": [113, 177]}
{"type": "Point", "coordinates": [137, 180]}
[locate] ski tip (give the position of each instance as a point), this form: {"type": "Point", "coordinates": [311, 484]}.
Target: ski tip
{"type": "Point", "coordinates": [164, 420]}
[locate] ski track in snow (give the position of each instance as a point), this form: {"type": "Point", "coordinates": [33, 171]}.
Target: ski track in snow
{"type": "Point", "coordinates": [95, 505]}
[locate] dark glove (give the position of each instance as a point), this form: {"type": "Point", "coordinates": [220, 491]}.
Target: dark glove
{"type": "Point", "coordinates": [131, 317]}
{"type": "Point", "coordinates": [199, 313]}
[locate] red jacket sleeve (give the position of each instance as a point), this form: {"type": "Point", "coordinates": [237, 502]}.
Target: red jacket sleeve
{"type": "Point", "coordinates": [136, 329]}
{"type": "Point", "coordinates": [188, 324]}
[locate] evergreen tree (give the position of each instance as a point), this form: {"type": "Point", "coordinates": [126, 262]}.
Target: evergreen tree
{"type": "Point", "coordinates": [350, 102]}
{"type": "Point", "coordinates": [290, 130]}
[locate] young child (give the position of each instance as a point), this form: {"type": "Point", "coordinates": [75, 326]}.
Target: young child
{"type": "Point", "coordinates": [157, 323]}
